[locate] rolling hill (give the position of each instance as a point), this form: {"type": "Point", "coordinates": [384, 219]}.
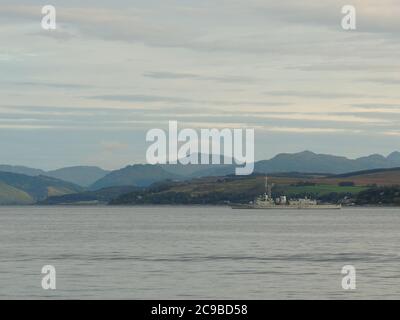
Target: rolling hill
{"type": "Point", "coordinates": [80, 175]}
{"type": "Point", "coordinates": [22, 170]}
{"type": "Point", "coordinates": [137, 175]}
{"type": "Point", "coordinates": [12, 196]}
{"type": "Point", "coordinates": [303, 162]}
{"type": "Point", "coordinates": [365, 178]}
{"type": "Point", "coordinates": [308, 161]}
{"type": "Point", "coordinates": [102, 196]}
{"type": "Point", "coordinates": [140, 175]}
{"type": "Point", "coordinates": [22, 189]}
{"type": "Point", "coordinates": [210, 190]}
{"type": "Point", "coordinates": [379, 177]}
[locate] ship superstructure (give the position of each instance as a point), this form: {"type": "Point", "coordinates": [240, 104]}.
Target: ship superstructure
{"type": "Point", "coordinates": [266, 201]}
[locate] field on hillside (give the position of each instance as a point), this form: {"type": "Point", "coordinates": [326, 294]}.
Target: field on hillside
{"type": "Point", "coordinates": [10, 195]}
{"type": "Point", "coordinates": [318, 189]}
{"type": "Point", "coordinates": [382, 177]}
{"type": "Point", "coordinates": [226, 185]}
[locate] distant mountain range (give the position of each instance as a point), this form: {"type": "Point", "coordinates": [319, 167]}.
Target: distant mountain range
{"type": "Point", "coordinates": [308, 161]}
{"type": "Point", "coordinates": [22, 170]}
{"type": "Point", "coordinates": [20, 184]}
{"type": "Point", "coordinates": [140, 175]}
{"type": "Point", "coordinates": [305, 162]}
{"type": "Point", "coordinates": [80, 175]}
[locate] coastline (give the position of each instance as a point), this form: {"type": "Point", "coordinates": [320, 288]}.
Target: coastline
{"type": "Point", "coordinates": [175, 205]}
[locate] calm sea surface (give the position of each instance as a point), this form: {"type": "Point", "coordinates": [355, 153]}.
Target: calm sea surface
{"type": "Point", "coordinates": [198, 252]}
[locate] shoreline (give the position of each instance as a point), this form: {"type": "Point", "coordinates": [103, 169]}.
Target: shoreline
{"type": "Point", "coordinates": [172, 205]}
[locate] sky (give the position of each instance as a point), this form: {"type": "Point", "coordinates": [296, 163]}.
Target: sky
{"type": "Point", "coordinates": [87, 92]}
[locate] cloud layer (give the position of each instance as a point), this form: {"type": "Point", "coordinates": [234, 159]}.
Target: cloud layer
{"type": "Point", "coordinates": [113, 70]}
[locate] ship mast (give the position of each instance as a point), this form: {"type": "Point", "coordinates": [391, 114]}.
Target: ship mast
{"type": "Point", "coordinates": [266, 184]}
{"type": "Point", "coordinates": [268, 188]}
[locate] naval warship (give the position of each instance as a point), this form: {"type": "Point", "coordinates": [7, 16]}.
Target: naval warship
{"type": "Point", "coordinates": [265, 201]}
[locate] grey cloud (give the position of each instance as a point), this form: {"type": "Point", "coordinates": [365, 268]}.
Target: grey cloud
{"type": "Point", "coordinates": [389, 117]}
{"type": "Point", "coordinates": [197, 31]}
{"type": "Point", "coordinates": [319, 95]}
{"type": "Point", "coordinates": [178, 100]}
{"type": "Point", "coordinates": [384, 81]}
{"type": "Point", "coordinates": [53, 85]}
{"type": "Point", "coordinates": [372, 16]}
{"type": "Point", "coordinates": [170, 75]}
{"type": "Point", "coordinates": [343, 67]}
{"type": "Point", "coordinates": [376, 105]}
{"type": "Point", "coordinates": [140, 98]}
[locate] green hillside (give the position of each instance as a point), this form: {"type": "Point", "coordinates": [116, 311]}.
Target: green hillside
{"type": "Point", "coordinates": [37, 188]}
{"type": "Point", "coordinates": [211, 190]}
{"type": "Point", "coordinates": [81, 175]}
{"type": "Point", "coordinates": [11, 196]}
{"type": "Point", "coordinates": [137, 175]}
{"type": "Point", "coordinates": [317, 190]}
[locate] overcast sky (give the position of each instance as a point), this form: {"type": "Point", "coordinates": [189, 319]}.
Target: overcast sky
{"type": "Point", "coordinates": [87, 92]}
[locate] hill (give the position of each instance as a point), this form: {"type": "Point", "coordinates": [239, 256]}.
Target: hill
{"type": "Point", "coordinates": [137, 175]}
{"type": "Point", "coordinates": [379, 177]}
{"type": "Point", "coordinates": [140, 175]}
{"type": "Point", "coordinates": [19, 186]}
{"type": "Point", "coordinates": [201, 170]}
{"type": "Point", "coordinates": [22, 170]}
{"type": "Point", "coordinates": [308, 161]}
{"type": "Point", "coordinates": [81, 175]}
{"type": "Point", "coordinates": [11, 196]}
{"type": "Point", "coordinates": [210, 190]}
{"type": "Point", "coordinates": [303, 162]}
{"type": "Point", "coordinates": [102, 196]}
